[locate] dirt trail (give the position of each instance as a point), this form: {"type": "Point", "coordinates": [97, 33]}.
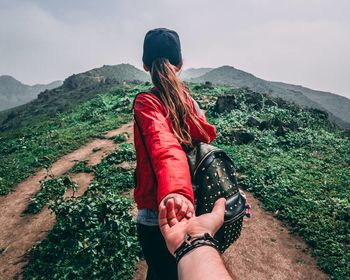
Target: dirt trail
{"type": "Point", "coordinates": [19, 233]}
{"type": "Point", "coordinates": [266, 250]}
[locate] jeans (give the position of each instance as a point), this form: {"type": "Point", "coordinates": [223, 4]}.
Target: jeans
{"type": "Point", "coordinates": [161, 264]}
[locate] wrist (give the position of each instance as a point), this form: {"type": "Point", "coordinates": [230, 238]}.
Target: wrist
{"type": "Point", "coordinates": [191, 243]}
{"type": "Point", "coordinates": [198, 253]}
{"type": "Point", "coordinates": [190, 235]}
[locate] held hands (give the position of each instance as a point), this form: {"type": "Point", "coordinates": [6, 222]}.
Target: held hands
{"type": "Point", "coordinates": [182, 206]}
{"type": "Point", "coordinates": [174, 230]}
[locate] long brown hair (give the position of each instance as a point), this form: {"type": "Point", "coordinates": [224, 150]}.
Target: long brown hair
{"type": "Point", "coordinates": [173, 94]}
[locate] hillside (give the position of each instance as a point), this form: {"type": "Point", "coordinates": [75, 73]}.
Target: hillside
{"type": "Point", "coordinates": [14, 93]}
{"type": "Point", "coordinates": [337, 107]}
{"type": "Point", "coordinates": [75, 90]}
{"type": "Point", "coordinates": [290, 157]}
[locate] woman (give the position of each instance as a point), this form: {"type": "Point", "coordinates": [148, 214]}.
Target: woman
{"type": "Point", "coordinates": [165, 121]}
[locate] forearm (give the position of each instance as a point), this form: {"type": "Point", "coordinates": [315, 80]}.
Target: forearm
{"type": "Point", "coordinates": [202, 263]}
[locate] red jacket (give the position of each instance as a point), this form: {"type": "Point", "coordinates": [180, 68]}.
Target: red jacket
{"type": "Point", "coordinates": [168, 160]}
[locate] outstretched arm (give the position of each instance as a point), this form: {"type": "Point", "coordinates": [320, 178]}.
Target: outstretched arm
{"type": "Point", "coordinates": [201, 263]}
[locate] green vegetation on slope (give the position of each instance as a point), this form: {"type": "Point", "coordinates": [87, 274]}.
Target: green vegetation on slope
{"type": "Point", "coordinates": [95, 236]}
{"type": "Point", "coordinates": [39, 144]}
{"type": "Point", "coordinates": [298, 165]}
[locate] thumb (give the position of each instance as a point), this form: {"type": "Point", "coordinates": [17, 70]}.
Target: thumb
{"type": "Point", "coordinates": [218, 211]}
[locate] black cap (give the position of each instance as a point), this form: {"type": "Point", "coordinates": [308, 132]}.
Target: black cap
{"type": "Point", "coordinates": [161, 42]}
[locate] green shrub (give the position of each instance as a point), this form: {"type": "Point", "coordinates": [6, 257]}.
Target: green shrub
{"type": "Point", "coordinates": [94, 238]}
{"type": "Point", "coordinates": [82, 166]}
{"type": "Point", "coordinates": [110, 177]}
{"type": "Point", "coordinates": [125, 152]}
{"type": "Point", "coordinates": [120, 138]}
{"type": "Point", "coordinates": [50, 189]}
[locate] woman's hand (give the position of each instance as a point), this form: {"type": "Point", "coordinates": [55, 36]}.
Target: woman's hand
{"type": "Point", "coordinates": [183, 208]}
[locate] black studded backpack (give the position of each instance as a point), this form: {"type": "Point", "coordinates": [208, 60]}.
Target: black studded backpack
{"type": "Point", "coordinates": [214, 176]}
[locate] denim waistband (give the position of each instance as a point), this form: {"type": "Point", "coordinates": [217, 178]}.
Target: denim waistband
{"type": "Point", "coordinates": [147, 217]}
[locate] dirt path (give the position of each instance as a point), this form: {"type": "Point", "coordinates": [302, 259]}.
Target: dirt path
{"type": "Point", "coordinates": [266, 250]}
{"type": "Point", "coordinates": [19, 233]}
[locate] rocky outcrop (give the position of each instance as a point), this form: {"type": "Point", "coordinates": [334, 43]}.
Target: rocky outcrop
{"type": "Point", "coordinates": [226, 103]}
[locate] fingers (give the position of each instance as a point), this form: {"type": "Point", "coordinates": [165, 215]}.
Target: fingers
{"type": "Point", "coordinates": [178, 203]}
{"type": "Point", "coordinates": [190, 211]}
{"type": "Point", "coordinates": [183, 211]}
{"type": "Point", "coordinates": [162, 219]}
{"type": "Point", "coordinates": [181, 206]}
{"type": "Point", "coordinates": [171, 215]}
{"type": "Point", "coordinates": [189, 215]}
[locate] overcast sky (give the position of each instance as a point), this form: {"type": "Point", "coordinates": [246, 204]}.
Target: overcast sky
{"type": "Point", "coordinates": [295, 41]}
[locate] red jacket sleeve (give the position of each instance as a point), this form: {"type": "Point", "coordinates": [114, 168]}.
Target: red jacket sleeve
{"type": "Point", "coordinates": [168, 159]}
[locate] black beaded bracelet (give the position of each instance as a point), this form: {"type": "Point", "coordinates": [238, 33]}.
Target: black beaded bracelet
{"type": "Point", "coordinates": [191, 243]}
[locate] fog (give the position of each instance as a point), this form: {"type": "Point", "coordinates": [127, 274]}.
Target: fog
{"type": "Point", "coordinates": [299, 42]}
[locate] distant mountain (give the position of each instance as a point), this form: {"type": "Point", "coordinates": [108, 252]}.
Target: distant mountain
{"type": "Point", "coordinates": [194, 72]}
{"type": "Point", "coordinates": [337, 107]}
{"type": "Point", "coordinates": [75, 90]}
{"type": "Point", "coordinates": [14, 93]}
{"type": "Point", "coordinates": [78, 88]}
{"type": "Point", "coordinates": [109, 74]}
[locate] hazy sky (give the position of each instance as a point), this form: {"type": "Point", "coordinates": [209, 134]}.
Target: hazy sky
{"type": "Point", "coordinates": [294, 41]}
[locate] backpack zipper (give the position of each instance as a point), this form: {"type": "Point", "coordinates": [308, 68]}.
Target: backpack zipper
{"type": "Point", "coordinates": [236, 217]}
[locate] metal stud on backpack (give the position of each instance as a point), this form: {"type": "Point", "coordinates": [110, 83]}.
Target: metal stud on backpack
{"type": "Point", "coordinates": [214, 176]}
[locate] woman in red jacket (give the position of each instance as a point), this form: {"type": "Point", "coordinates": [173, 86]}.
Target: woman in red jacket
{"type": "Point", "coordinates": [166, 120]}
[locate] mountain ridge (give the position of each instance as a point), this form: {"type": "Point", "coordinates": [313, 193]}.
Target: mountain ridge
{"type": "Point", "coordinates": [106, 74]}
{"type": "Point", "coordinates": [14, 93]}
{"type": "Point", "coordinates": [75, 90]}
{"type": "Point", "coordinates": [78, 88]}
{"type": "Point", "coordinates": [337, 106]}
